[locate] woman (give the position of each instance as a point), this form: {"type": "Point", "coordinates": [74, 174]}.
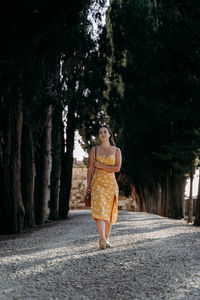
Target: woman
{"type": "Point", "coordinates": [104, 160]}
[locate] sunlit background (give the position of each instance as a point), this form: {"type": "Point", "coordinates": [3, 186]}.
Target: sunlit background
{"type": "Point", "coordinates": [195, 185]}
{"type": "Point", "coordinates": [79, 154]}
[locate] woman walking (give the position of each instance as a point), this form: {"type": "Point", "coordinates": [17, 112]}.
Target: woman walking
{"type": "Point", "coordinates": [104, 161]}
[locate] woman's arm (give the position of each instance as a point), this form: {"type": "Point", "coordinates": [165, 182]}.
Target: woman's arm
{"type": "Point", "coordinates": [90, 167]}
{"type": "Point", "coordinates": [116, 167]}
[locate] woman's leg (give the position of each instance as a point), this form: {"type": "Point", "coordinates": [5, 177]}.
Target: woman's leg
{"type": "Point", "coordinates": [108, 226]}
{"type": "Point", "coordinates": [101, 228]}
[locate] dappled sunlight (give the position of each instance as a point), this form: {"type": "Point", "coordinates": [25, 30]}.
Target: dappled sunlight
{"type": "Point", "coordinates": [45, 260]}
{"type": "Point", "coordinates": [153, 229]}
{"type": "Point", "coordinates": [143, 253]}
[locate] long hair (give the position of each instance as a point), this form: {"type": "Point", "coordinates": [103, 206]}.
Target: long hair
{"type": "Point", "coordinates": [111, 140]}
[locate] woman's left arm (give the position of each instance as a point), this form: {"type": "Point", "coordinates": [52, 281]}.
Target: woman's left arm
{"type": "Point", "coordinates": [116, 167]}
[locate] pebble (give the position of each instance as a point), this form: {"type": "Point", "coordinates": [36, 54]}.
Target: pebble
{"type": "Point", "coordinates": [152, 258]}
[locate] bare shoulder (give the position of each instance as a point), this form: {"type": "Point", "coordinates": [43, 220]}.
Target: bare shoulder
{"type": "Point", "coordinates": [92, 151]}
{"type": "Point", "coordinates": [118, 154]}
{"type": "Point", "coordinates": [118, 151]}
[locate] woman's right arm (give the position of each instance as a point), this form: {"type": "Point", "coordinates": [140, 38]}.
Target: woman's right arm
{"type": "Point", "coordinates": [90, 167]}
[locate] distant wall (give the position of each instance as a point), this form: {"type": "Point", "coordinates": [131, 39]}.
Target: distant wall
{"type": "Point", "coordinates": [79, 185]}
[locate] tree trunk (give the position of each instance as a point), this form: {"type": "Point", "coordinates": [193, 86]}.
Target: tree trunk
{"type": "Point", "coordinates": [135, 197]}
{"type": "Point", "coordinates": [56, 142]}
{"type": "Point", "coordinates": [144, 194]}
{"type": "Point", "coordinates": [152, 199]}
{"type": "Point", "coordinates": [42, 171]}
{"type": "Point", "coordinates": [5, 149]}
{"type": "Point", "coordinates": [15, 188]}
{"type": "Point", "coordinates": [197, 217]}
{"type": "Point", "coordinates": [28, 175]}
{"type": "Point", "coordinates": [157, 199]}
{"type": "Point", "coordinates": [12, 215]}
{"type": "Point", "coordinates": [190, 203]}
{"type": "Point", "coordinates": [166, 196]}
{"type": "Point", "coordinates": [67, 163]}
{"type": "Point", "coordinates": [178, 194]}
{"type": "Point", "coordinates": [142, 201]}
{"type": "Point", "coordinates": [163, 198]}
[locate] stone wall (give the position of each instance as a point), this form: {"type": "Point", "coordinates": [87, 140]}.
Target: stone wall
{"type": "Point", "coordinates": [79, 184]}
{"type": "Point", "coordinates": [125, 203]}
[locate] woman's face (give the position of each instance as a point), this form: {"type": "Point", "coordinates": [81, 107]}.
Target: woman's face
{"type": "Point", "coordinates": [104, 134]}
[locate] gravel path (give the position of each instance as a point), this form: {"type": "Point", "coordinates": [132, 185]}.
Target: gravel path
{"type": "Point", "coordinates": [152, 258]}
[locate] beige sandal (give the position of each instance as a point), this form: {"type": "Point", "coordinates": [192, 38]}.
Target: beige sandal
{"type": "Point", "coordinates": [108, 245]}
{"type": "Point", "coordinates": [102, 243]}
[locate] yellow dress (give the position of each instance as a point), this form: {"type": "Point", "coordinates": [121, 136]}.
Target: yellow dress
{"type": "Point", "coordinates": [104, 192]}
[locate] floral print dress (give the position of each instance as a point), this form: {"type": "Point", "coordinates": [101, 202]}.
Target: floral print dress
{"type": "Point", "coordinates": [104, 192]}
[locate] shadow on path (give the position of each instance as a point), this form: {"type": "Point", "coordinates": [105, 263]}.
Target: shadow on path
{"type": "Point", "coordinates": [152, 258]}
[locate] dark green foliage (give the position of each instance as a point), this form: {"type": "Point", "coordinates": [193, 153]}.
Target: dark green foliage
{"type": "Point", "coordinates": [92, 104]}
{"type": "Point", "coordinates": [35, 37]}
{"type": "Point", "coordinates": [154, 87]}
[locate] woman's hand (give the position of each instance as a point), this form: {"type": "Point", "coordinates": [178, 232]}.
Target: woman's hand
{"type": "Point", "coordinates": [98, 165]}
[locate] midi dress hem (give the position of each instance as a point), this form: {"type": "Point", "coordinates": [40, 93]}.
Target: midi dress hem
{"type": "Point", "coordinates": [110, 220]}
